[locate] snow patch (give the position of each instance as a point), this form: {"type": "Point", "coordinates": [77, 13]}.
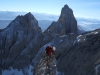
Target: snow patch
{"type": "Point", "coordinates": [12, 71]}
{"type": "Point", "coordinates": [61, 40]}
{"type": "Point", "coordinates": [79, 36]}
{"type": "Point", "coordinates": [77, 39]}
{"type": "Point", "coordinates": [79, 28]}
{"type": "Point", "coordinates": [95, 32]}
{"type": "Point", "coordinates": [59, 73]}
{"type": "Point", "coordinates": [29, 70]}
{"type": "Point", "coordinates": [63, 36]}
{"type": "Point", "coordinates": [96, 69]}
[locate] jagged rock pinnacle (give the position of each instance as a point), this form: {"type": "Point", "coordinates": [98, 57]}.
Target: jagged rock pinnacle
{"type": "Point", "coordinates": [66, 6]}
{"type": "Point", "coordinates": [66, 14]}
{"type": "Point", "coordinates": [66, 23]}
{"type": "Point", "coordinates": [18, 34]}
{"type": "Point", "coordinates": [26, 21]}
{"type": "Point", "coordinates": [29, 16]}
{"type": "Point", "coordinates": [68, 20]}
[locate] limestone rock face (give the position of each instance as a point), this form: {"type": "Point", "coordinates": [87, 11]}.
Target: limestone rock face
{"type": "Point", "coordinates": [19, 44]}
{"type": "Point", "coordinates": [62, 43]}
{"type": "Point", "coordinates": [17, 37]}
{"type": "Point", "coordinates": [42, 69]}
{"type": "Point", "coordinates": [55, 28]}
{"type": "Point", "coordinates": [68, 20]}
{"type": "Point", "coordinates": [83, 58]}
{"type": "Point", "coordinates": [26, 21]}
{"type": "Point", "coordinates": [66, 23]}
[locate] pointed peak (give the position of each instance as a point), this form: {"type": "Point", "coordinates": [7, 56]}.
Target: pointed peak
{"type": "Point", "coordinates": [26, 15]}
{"type": "Point", "coordinates": [29, 14]}
{"type": "Point", "coordinates": [65, 12]}
{"type": "Point", "coordinates": [66, 6]}
{"type": "Point", "coordinates": [27, 20]}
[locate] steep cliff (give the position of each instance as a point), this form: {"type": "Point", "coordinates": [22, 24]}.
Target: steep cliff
{"type": "Point", "coordinates": [83, 58]}
{"type": "Point", "coordinates": [66, 23]}
{"type": "Point", "coordinates": [20, 42]}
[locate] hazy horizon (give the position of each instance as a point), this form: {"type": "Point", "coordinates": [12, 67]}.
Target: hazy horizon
{"type": "Point", "coordinates": [83, 8]}
{"type": "Point", "coordinates": [46, 14]}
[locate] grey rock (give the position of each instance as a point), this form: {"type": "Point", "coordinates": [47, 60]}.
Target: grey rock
{"type": "Point", "coordinates": [80, 30]}
{"type": "Point", "coordinates": [83, 57]}
{"type": "Point", "coordinates": [42, 69]}
{"type": "Point", "coordinates": [20, 42]}
{"type": "Point", "coordinates": [62, 44]}
{"type": "Point", "coordinates": [29, 52]}
{"type": "Point", "coordinates": [16, 37]}
{"type": "Point", "coordinates": [0, 70]}
{"type": "Point", "coordinates": [55, 28]}
{"type": "Point", "coordinates": [66, 23]}
{"type": "Point", "coordinates": [23, 42]}
{"type": "Point", "coordinates": [68, 20]}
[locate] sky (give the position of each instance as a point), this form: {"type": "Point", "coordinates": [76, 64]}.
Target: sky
{"type": "Point", "coordinates": [81, 8]}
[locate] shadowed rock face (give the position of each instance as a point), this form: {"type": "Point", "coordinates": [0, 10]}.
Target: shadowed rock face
{"type": "Point", "coordinates": [66, 23]}
{"type": "Point", "coordinates": [27, 21]}
{"type": "Point", "coordinates": [20, 41]}
{"type": "Point", "coordinates": [84, 57]}
{"type": "Point", "coordinates": [68, 20]}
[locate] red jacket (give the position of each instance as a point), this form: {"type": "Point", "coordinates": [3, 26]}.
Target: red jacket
{"type": "Point", "coordinates": [49, 50]}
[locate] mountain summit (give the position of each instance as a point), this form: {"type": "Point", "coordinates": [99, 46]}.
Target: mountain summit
{"type": "Point", "coordinates": [68, 20]}
{"type": "Point", "coordinates": [26, 21]}
{"type": "Point", "coordinates": [66, 23]}
{"type": "Point", "coordinates": [16, 37]}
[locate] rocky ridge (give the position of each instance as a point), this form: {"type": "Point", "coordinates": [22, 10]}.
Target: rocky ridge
{"type": "Point", "coordinates": [22, 44]}
{"type": "Point", "coordinates": [66, 23]}
{"type": "Point", "coordinates": [22, 37]}
{"type": "Point", "coordinates": [83, 57]}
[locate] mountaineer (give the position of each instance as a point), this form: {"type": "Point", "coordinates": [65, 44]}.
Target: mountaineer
{"type": "Point", "coordinates": [49, 51]}
{"type": "Point", "coordinates": [50, 61]}
{"type": "Point", "coordinates": [47, 62]}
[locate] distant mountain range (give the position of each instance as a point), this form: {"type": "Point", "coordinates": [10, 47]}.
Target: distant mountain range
{"type": "Point", "coordinates": [45, 20]}
{"type": "Point", "coordinates": [88, 24]}
{"type": "Point", "coordinates": [10, 15]}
